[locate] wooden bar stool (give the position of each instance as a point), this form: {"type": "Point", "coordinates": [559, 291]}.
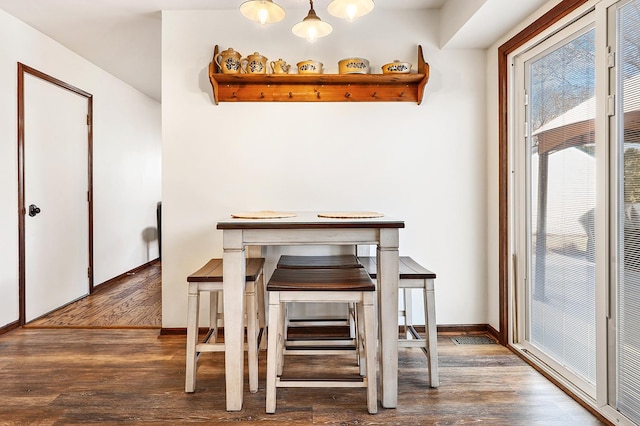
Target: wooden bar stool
{"type": "Point", "coordinates": [349, 285]}
{"type": "Point", "coordinates": [321, 262]}
{"type": "Point", "coordinates": [209, 279]}
{"type": "Point", "coordinates": [413, 275]}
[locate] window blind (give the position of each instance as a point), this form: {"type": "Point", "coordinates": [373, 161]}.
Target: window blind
{"type": "Point", "coordinates": [562, 162]}
{"type": "Point", "coordinates": [628, 303]}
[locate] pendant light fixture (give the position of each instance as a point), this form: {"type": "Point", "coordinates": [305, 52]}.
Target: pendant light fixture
{"type": "Point", "coordinates": [262, 11]}
{"type": "Point", "coordinates": [350, 9]}
{"type": "Point", "coordinates": [312, 27]}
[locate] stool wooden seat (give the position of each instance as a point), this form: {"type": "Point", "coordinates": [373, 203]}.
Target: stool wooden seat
{"type": "Point", "coordinates": [320, 262]}
{"type": "Point", "coordinates": [413, 275]}
{"type": "Point", "coordinates": [351, 285]}
{"type": "Point", "coordinates": [209, 279]}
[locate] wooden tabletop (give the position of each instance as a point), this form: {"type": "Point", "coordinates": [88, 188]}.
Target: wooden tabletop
{"type": "Point", "coordinates": [307, 220]}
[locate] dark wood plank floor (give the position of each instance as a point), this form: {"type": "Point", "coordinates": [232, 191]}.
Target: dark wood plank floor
{"type": "Point", "coordinates": [65, 375]}
{"type": "Point", "coordinates": [132, 301]}
{"type": "Point", "coordinates": [72, 376]}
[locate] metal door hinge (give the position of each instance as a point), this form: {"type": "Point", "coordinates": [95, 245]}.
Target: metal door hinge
{"type": "Point", "coordinates": [611, 58]}
{"type": "Point", "coordinates": [88, 120]}
{"type": "Point", "coordinates": [611, 105]}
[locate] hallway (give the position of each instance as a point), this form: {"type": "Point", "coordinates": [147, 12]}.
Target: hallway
{"type": "Point", "coordinates": [132, 301]}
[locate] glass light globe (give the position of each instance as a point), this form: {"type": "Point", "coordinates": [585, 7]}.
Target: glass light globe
{"type": "Point", "coordinates": [263, 11]}
{"type": "Point", "coordinates": [350, 9]}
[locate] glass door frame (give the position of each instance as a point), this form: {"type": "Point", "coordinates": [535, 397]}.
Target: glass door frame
{"type": "Point", "coordinates": [559, 16]}
{"type": "Point", "coordinates": [612, 130]}
{"type": "Point", "coordinates": [522, 188]}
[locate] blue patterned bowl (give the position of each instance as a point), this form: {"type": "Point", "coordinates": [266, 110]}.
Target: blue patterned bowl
{"type": "Point", "coordinates": [353, 66]}
{"type": "Point", "coordinates": [396, 67]}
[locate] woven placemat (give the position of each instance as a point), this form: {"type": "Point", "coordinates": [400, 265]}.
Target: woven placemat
{"type": "Point", "coordinates": [263, 214]}
{"type": "Point", "coordinates": [350, 215]}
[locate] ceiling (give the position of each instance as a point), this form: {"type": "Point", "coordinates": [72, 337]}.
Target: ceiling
{"type": "Point", "coordinates": [123, 36]}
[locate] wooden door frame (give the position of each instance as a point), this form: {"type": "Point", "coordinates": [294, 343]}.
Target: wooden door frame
{"type": "Point", "coordinates": [22, 70]}
{"type": "Point", "coordinates": [554, 15]}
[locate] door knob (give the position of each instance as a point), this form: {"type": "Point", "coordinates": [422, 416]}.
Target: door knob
{"type": "Point", "coordinates": [33, 210]}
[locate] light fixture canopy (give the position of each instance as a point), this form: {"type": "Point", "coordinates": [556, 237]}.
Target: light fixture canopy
{"type": "Point", "coordinates": [350, 9]}
{"type": "Point", "coordinates": [262, 11]}
{"type": "Point", "coordinates": [312, 27]}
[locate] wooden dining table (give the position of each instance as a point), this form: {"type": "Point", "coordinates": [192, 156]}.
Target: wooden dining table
{"type": "Point", "coordinates": [308, 228]}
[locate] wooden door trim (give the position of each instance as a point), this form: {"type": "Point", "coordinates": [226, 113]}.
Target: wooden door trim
{"type": "Point", "coordinates": [22, 70]}
{"type": "Point", "coordinates": [554, 15]}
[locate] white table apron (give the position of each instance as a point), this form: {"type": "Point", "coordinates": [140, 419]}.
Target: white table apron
{"type": "Point", "coordinates": [307, 229]}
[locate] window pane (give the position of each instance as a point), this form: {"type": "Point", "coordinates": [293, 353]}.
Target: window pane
{"type": "Point", "coordinates": [561, 112]}
{"type": "Point", "coordinates": [629, 211]}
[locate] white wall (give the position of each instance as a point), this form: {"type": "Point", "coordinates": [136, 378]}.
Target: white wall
{"type": "Point", "coordinates": [424, 164]}
{"type": "Point", "coordinates": [454, 15]}
{"type": "Point", "coordinates": [126, 137]}
{"type": "Point", "coordinates": [492, 161]}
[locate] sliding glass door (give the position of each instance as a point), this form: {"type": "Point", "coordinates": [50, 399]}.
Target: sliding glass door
{"type": "Point", "coordinates": [625, 123]}
{"type": "Point", "coordinates": [576, 221]}
{"type": "Point", "coordinates": [558, 193]}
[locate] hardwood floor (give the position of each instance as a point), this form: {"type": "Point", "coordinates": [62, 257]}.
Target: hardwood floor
{"type": "Point", "coordinates": [65, 375]}
{"type": "Point", "coordinates": [132, 301]}
{"type": "Point", "coordinates": [71, 376]}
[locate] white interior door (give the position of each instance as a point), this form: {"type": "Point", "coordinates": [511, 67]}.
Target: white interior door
{"type": "Point", "coordinates": [56, 183]}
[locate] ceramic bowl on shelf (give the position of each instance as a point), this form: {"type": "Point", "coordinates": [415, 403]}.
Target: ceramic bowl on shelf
{"type": "Point", "coordinates": [396, 67]}
{"type": "Point", "coordinates": [309, 67]}
{"type": "Point", "coordinates": [353, 66]}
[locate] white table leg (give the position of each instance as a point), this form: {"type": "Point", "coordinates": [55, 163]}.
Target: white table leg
{"type": "Point", "coordinates": [388, 314]}
{"type": "Point", "coordinates": [234, 274]}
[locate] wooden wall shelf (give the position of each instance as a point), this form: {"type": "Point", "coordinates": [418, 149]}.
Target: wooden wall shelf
{"type": "Point", "coordinates": [319, 87]}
